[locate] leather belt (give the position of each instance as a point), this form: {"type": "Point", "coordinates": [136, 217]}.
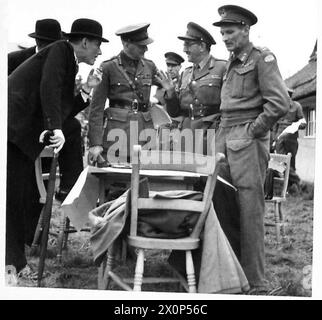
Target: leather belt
{"type": "Point", "coordinates": [200, 111]}
{"type": "Point", "coordinates": [134, 106]}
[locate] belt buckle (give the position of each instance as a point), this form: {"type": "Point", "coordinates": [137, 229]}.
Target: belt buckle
{"type": "Point", "coordinates": [135, 106]}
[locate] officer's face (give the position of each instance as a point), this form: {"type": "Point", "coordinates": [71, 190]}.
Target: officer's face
{"type": "Point", "coordinates": [136, 51]}
{"type": "Point", "coordinates": [173, 70]}
{"type": "Point", "coordinates": [235, 37]}
{"type": "Point", "coordinates": [193, 50]}
{"type": "Point", "coordinates": [92, 50]}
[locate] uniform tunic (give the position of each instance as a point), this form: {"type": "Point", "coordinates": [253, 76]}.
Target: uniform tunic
{"type": "Point", "coordinates": [198, 99]}
{"type": "Point", "coordinates": [253, 98]}
{"type": "Point", "coordinates": [121, 111]}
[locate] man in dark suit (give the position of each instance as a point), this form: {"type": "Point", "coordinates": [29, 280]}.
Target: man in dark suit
{"type": "Point", "coordinates": [40, 99]}
{"type": "Point", "coordinates": [46, 32]}
{"type": "Point", "coordinates": [70, 160]}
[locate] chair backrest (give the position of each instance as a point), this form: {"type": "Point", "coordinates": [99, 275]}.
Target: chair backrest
{"type": "Point", "coordinates": [173, 161]}
{"type": "Point", "coordinates": [282, 164]}
{"type": "Point", "coordinates": [45, 153]}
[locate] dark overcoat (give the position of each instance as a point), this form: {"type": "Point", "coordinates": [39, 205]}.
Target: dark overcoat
{"type": "Point", "coordinates": [16, 58]}
{"type": "Point", "coordinates": [41, 96]}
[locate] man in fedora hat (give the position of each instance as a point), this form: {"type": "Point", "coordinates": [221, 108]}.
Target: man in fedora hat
{"type": "Point", "coordinates": [40, 99]}
{"type": "Point", "coordinates": [126, 82]}
{"type": "Point", "coordinates": [198, 98]}
{"type": "Point", "coordinates": [253, 98]}
{"type": "Point", "coordinates": [46, 32]}
{"type": "Point", "coordinates": [173, 62]}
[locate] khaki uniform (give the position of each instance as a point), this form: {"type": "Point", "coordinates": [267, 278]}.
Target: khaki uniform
{"type": "Point", "coordinates": [198, 99]}
{"type": "Point", "coordinates": [253, 98]}
{"type": "Point", "coordinates": [125, 103]}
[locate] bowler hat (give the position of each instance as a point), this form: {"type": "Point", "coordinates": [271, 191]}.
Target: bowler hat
{"type": "Point", "coordinates": [197, 33]}
{"type": "Point", "coordinates": [231, 14]}
{"type": "Point", "coordinates": [173, 58]}
{"type": "Point", "coordinates": [47, 29]}
{"type": "Point", "coordinates": [88, 28]}
{"type": "Point", "coordinates": [136, 33]}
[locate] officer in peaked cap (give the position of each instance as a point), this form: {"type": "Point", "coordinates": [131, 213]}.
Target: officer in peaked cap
{"type": "Point", "coordinates": [135, 33]}
{"type": "Point", "coordinates": [173, 58]}
{"type": "Point", "coordinates": [126, 82]}
{"type": "Point", "coordinates": [198, 97]}
{"type": "Point", "coordinates": [253, 98]}
{"type": "Point", "coordinates": [197, 33]}
{"type": "Point", "coordinates": [173, 62]}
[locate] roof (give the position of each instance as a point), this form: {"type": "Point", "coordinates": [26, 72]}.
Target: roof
{"type": "Point", "coordinates": [304, 81]}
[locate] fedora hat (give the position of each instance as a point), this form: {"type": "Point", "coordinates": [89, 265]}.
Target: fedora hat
{"type": "Point", "coordinates": [88, 28]}
{"type": "Point", "coordinates": [47, 29]}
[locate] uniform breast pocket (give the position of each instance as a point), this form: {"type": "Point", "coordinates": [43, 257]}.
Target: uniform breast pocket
{"type": "Point", "coordinates": [243, 80]}
{"type": "Point", "coordinates": [208, 92]}
{"type": "Point", "coordinates": [119, 86]}
{"type": "Point", "coordinates": [146, 87]}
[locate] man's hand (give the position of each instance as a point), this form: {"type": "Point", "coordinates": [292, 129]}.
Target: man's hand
{"type": "Point", "coordinates": [93, 80]}
{"type": "Point", "coordinates": [165, 80]}
{"type": "Point", "coordinates": [94, 153]}
{"type": "Point", "coordinates": [56, 141]}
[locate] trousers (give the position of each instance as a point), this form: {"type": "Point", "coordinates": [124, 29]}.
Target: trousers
{"type": "Point", "coordinates": [23, 207]}
{"type": "Point", "coordinates": [248, 158]}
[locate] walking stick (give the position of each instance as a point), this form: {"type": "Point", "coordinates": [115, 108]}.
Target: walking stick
{"type": "Point", "coordinates": [47, 210]}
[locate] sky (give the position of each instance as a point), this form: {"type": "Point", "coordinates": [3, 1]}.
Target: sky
{"type": "Point", "coordinates": [289, 28]}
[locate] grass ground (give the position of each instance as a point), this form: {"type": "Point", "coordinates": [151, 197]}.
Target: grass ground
{"type": "Point", "coordinates": [287, 264]}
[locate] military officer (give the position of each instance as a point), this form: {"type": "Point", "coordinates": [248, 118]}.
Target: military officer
{"type": "Point", "coordinates": [253, 98]}
{"type": "Point", "coordinates": [198, 99]}
{"type": "Point", "coordinates": [173, 62]}
{"type": "Point", "coordinates": [126, 82]}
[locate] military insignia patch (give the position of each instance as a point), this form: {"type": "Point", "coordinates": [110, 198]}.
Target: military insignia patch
{"type": "Point", "coordinates": [269, 58]}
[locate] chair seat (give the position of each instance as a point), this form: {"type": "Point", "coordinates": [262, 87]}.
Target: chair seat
{"type": "Point", "coordinates": [170, 244]}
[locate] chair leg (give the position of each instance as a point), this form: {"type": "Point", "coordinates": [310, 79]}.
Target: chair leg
{"type": "Point", "coordinates": [139, 268]}
{"type": "Point", "coordinates": [277, 222]}
{"type": "Point", "coordinates": [100, 275]}
{"type": "Point", "coordinates": [103, 275]}
{"type": "Point", "coordinates": [190, 273]}
{"type": "Point", "coordinates": [66, 232]}
{"type": "Point", "coordinates": [281, 217]}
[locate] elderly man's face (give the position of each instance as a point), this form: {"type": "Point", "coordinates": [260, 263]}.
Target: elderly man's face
{"type": "Point", "coordinates": [173, 70]}
{"type": "Point", "coordinates": [235, 37]}
{"type": "Point", "coordinates": [193, 50]}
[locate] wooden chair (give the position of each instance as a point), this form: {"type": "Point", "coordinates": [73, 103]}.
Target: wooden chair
{"type": "Point", "coordinates": [197, 163]}
{"type": "Point", "coordinates": [281, 163]}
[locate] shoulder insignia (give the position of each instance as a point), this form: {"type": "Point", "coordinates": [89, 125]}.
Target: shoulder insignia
{"type": "Point", "coordinates": [110, 59]}
{"type": "Point", "coordinates": [261, 49]}
{"type": "Point", "coordinates": [269, 58]}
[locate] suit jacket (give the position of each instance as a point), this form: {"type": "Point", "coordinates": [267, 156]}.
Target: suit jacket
{"type": "Point", "coordinates": [16, 58]}
{"type": "Point", "coordinates": [41, 96]}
